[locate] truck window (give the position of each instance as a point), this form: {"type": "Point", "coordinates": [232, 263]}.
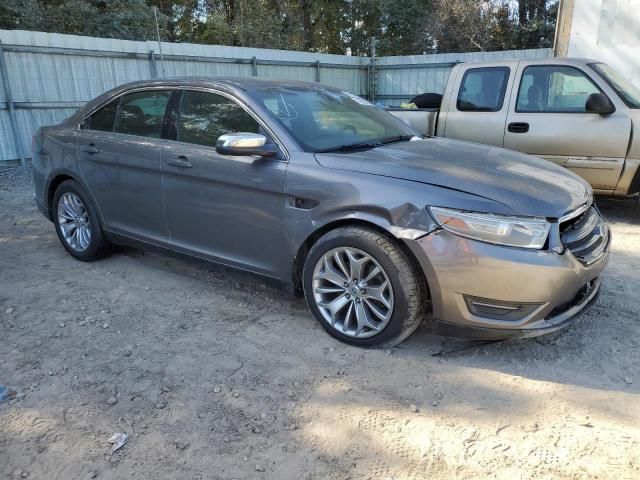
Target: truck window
{"type": "Point", "coordinates": [482, 89]}
{"type": "Point", "coordinates": [554, 89]}
{"type": "Point", "coordinates": [628, 92]}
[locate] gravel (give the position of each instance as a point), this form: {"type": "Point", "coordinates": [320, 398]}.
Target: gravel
{"type": "Point", "coordinates": [12, 177]}
{"type": "Point", "coordinates": [189, 367]}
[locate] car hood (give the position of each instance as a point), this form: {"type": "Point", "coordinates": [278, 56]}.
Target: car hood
{"type": "Point", "coordinates": [527, 185]}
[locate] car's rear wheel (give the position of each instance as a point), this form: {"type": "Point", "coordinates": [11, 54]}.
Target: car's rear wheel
{"type": "Point", "coordinates": [362, 288]}
{"type": "Point", "coordinates": [77, 223]}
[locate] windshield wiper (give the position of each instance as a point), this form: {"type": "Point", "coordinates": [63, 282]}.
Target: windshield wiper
{"type": "Point", "coordinates": [396, 138]}
{"type": "Point", "coordinates": [353, 146]}
{"type": "Point", "coordinates": [362, 145]}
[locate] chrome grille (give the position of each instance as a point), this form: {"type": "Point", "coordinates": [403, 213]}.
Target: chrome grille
{"type": "Point", "coordinates": [586, 236]}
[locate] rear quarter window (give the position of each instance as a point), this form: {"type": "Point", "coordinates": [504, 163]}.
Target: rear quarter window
{"type": "Point", "coordinates": [483, 89]}
{"type": "Point", "coordinates": [104, 118]}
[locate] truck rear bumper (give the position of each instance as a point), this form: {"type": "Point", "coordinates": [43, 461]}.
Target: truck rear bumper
{"type": "Point", "coordinates": [422, 120]}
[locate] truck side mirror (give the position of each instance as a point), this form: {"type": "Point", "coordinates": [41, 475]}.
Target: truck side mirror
{"type": "Point", "coordinates": [244, 144]}
{"type": "Point", "coordinates": [599, 103]}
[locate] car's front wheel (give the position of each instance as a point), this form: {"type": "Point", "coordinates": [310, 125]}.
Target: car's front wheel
{"type": "Point", "coordinates": [362, 288]}
{"type": "Point", "coordinates": [77, 222]}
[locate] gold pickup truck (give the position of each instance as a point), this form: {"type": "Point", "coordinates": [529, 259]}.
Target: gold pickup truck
{"type": "Point", "coordinates": [575, 112]}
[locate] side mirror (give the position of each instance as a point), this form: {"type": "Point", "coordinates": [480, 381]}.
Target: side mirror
{"type": "Point", "coordinates": [599, 103]}
{"type": "Point", "coordinates": [244, 144]}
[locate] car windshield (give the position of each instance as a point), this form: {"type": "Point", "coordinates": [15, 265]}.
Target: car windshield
{"type": "Point", "coordinates": [328, 120]}
{"type": "Point", "coordinates": [628, 92]}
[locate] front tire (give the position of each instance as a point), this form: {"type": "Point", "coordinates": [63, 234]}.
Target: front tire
{"type": "Point", "coordinates": [363, 289]}
{"type": "Point", "coordinates": [77, 223]}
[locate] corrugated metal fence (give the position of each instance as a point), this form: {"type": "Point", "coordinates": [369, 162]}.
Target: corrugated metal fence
{"type": "Point", "coordinates": [46, 76]}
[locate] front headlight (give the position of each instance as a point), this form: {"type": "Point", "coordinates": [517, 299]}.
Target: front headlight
{"type": "Point", "coordinates": [525, 232]}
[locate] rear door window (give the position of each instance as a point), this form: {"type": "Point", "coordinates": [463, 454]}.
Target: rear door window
{"type": "Point", "coordinates": [205, 116]}
{"type": "Point", "coordinates": [554, 89]}
{"type": "Point", "coordinates": [142, 113]}
{"type": "Point", "coordinates": [483, 89]}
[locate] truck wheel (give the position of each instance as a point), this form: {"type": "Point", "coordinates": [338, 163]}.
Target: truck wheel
{"type": "Point", "coordinates": [362, 288]}
{"type": "Point", "coordinates": [77, 223]}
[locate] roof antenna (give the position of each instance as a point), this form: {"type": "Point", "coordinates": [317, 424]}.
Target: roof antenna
{"type": "Point", "coordinates": [155, 14]}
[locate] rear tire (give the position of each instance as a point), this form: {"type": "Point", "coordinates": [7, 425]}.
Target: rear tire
{"type": "Point", "coordinates": [77, 223]}
{"type": "Point", "coordinates": [392, 309]}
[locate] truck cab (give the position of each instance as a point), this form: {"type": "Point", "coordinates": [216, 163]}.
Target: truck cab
{"type": "Point", "coordinates": [577, 113]}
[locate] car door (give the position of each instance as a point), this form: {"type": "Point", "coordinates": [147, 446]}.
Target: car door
{"type": "Point", "coordinates": [119, 157]}
{"type": "Point", "coordinates": [547, 117]}
{"type": "Point", "coordinates": [478, 108]}
{"type": "Point", "coordinates": [222, 207]}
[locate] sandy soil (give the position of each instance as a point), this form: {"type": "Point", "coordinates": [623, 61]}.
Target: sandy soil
{"type": "Point", "coordinates": [217, 375]}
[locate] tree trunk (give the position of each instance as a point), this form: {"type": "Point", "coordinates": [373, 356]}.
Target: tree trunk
{"type": "Point", "coordinates": [522, 12]}
{"type": "Point", "coordinates": [307, 33]}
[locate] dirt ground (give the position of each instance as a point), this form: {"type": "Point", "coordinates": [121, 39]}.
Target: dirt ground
{"type": "Point", "coordinates": [217, 375]}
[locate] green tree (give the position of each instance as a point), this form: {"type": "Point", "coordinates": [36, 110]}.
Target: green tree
{"type": "Point", "coordinates": [131, 19]}
{"type": "Point", "coordinates": [181, 16]}
{"type": "Point", "coordinates": [402, 27]}
{"type": "Point", "coordinates": [128, 19]}
{"type": "Point", "coordinates": [536, 23]}
{"type": "Point", "coordinates": [330, 22]}
{"type": "Point", "coordinates": [22, 14]}
{"type": "Point", "coordinates": [405, 27]}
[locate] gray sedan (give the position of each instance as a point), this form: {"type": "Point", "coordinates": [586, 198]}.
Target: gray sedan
{"type": "Point", "coordinates": [336, 199]}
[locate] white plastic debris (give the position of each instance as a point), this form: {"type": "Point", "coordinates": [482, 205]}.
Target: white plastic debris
{"type": "Point", "coordinates": [118, 440]}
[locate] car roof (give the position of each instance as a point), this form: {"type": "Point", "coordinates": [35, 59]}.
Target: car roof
{"type": "Point", "coordinates": [242, 83]}
{"type": "Point", "coordinates": [225, 83]}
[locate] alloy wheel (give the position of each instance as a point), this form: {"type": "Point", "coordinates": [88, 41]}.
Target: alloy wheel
{"type": "Point", "coordinates": [352, 292]}
{"type": "Point", "coordinates": [73, 219]}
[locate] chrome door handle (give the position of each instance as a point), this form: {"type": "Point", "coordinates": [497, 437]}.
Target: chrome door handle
{"type": "Point", "coordinates": [180, 162]}
{"type": "Point", "coordinates": [91, 148]}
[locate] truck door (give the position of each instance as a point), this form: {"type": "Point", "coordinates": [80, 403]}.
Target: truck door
{"type": "Point", "coordinates": [477, 105]}
{"type": "Point", "coordinates": [547, 117]}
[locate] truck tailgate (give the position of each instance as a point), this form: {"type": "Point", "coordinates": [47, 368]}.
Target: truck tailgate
{"type": "Point", "coordinates": [422, 120]}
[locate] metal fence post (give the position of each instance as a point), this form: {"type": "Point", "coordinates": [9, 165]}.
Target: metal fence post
{"type": "Point", "coordinates": [152, 64]}
{"type": "Point", "coordinates": [318, 71]}
{"type": "Point", "coordinates": [12, 111]}
{"type": "Point", "coordinates": [373, 79]}
{"type": "Point", "coordinates": [368, 81]}
{"type": "Point", "coordinates": [254, 66]}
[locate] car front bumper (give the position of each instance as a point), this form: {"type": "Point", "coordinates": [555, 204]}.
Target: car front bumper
{"type": "Point", "coordinates": [480, 290]}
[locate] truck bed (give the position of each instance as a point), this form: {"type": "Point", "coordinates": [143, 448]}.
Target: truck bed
{"type": "Point", "coordinates": [422, 120]}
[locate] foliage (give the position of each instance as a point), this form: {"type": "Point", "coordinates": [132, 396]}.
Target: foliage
{"type": "Point", "coordinates": [126, 19]}
{"type": "Point", "coordinates": [331, 26]}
